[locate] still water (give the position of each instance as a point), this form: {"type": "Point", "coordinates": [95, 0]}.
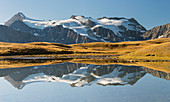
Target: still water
{"type": "Point", "coordinates": [72, 82]}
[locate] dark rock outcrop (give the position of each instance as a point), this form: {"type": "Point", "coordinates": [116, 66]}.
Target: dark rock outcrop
{"type": "Point", "coordinates": [60, 34]}
{"type": "Point", "coordinates": [106, 34]}
{"type": "Point", "coordinates": [134, 21]}
{"type": "Point", "coordinates": [90, 23]}
{"type": "Point", "coordinates": [112, 18]}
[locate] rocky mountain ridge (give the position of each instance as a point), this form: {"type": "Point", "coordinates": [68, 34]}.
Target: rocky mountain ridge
{"type": "Point", "coordinates": [77, 29]}
{"type": "Point", "coordinates": [162, 31]}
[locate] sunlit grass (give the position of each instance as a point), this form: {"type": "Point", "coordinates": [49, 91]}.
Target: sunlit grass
{"type": "Point", "coordinates": [157, 49]}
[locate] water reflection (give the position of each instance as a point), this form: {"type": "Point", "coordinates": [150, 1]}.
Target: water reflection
{"type": "Point", "coordinates": [158, 74]}
{"type": "Point", "coordinates": [78, 75]}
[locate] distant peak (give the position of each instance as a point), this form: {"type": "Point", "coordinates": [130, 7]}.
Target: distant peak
{"type": "Point", "coordinates": [80, 16]}
{"type": "Point", "coordinates": [17, 17]}
{"type": "Point", "coordinates": [21, 14]}
{"type": "Point", "coordinates": [74, 16]}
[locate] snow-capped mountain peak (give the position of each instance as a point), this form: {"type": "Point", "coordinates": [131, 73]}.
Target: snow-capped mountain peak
{"type": "Point", "coordinates": [86, 29]}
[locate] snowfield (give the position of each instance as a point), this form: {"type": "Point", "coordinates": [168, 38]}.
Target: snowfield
{"type": "Point", "coordinates": [101, 29]}
{"type": "Point", "coordinates": [77, 25]}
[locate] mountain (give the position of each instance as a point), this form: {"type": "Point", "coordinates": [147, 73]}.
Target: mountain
{"type": "Point", "coordinates": [78, 29]}
{"type": "Point", "coordinates": [8, 34]}
{"type": "Point", "coordinates": [158, 32]}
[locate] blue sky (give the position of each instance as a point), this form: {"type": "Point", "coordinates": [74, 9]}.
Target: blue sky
{"type": "Point", "coordinates": [149, 13]}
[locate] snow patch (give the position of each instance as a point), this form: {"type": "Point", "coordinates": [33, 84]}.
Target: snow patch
{"type": "Point", "coordinates": [161, 36]}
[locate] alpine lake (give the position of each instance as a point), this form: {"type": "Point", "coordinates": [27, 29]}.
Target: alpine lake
{"type": "Point", "coordinates": [67, 81]}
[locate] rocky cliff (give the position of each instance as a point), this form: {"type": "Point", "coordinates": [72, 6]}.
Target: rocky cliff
{"type": "Point", "coordinates": [79, 29]}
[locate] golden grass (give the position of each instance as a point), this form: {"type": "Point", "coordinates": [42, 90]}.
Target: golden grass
{"type": "Point", "coordinates": [152, 52]}
{"type": "Point", "coordinates": [157, 49]}
{"type": "Point", "coordinates": [33, 48]}
{"type": "Point", "coordinates": [120, 48]}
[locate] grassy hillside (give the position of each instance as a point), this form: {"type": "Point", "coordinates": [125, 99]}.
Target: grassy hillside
{"type": "Point", "coordinates": [7, 49]}
{"type": "Point", "coordinates": [160, 50]}
{"type": "Point", "coordinates": [116, 48]}
{"type": "Point", "coordinates": [157, 49]}
{"type": "Point", "coordinates": [153, 52]}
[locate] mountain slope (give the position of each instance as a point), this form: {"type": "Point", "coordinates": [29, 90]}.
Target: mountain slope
{"type": "Point", "coordinates": [10, 35]}
{"type": "Point", "coordinates": [158, 32]}
{"type": "Point", "coordinates": [79, 29]}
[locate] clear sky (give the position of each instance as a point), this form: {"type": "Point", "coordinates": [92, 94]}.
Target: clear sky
{"type": "Point", "coordinates": [149, 13]}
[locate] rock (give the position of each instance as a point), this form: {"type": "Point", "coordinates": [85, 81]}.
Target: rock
{"type": "Point", "coordinates": [158, 32]}
{"type": "Point", "coordinates": [11, 35]}
{"type": "Point", "coordinates": [87, 30]}
{"type": "Point", "coordinates": [90, 23]}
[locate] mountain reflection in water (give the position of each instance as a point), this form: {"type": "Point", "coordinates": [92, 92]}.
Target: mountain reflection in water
{"type": "Point", "coordinates": [78, 75]}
